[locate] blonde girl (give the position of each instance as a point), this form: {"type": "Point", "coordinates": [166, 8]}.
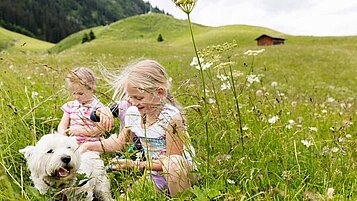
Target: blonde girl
{"type": "Point", "coordinates": [75, 121]}
{"type": "Point", "coordinates": [154, 118]}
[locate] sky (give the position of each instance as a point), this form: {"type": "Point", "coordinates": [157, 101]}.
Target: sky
{"type": "Point", "coordinates": [293, 17]}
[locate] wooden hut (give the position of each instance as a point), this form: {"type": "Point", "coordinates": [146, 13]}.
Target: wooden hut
{"type": "Point", "coordinates": [269, 40]}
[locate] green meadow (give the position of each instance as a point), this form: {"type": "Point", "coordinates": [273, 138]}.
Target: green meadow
{"type": "Point", "coordinates": [275, 124]}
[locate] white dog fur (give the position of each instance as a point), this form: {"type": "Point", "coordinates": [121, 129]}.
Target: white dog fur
{"type": "Point", "coordinates": [55, 162]}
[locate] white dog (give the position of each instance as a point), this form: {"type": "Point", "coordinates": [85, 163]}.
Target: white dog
{"type": "Point", "coordinates": [55, 163]}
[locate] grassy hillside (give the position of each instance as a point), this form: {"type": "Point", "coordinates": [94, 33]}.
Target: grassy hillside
{"type": "Point", "coordinates": [297, 138]}
{"type": "Point", "coordinates": [13, 41]}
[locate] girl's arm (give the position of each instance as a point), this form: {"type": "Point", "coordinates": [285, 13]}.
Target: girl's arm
{"type": "Point", "coordinates": [174, 143]}
{"type": "Point", "coordinates": [64, 123]}
{"type": "Point", "coordinates": [111, 144]}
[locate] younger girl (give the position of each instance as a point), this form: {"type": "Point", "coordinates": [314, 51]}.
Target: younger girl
{"type": "Point", "coordinates": [154, 118]}
{"type": "Point", "coordinates": [75, 120]}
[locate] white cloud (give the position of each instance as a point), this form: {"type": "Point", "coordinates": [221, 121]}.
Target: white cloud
{"type": "Point", "coordinates": [304, 17]}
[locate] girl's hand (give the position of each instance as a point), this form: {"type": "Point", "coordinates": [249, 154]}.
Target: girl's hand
{"type": "Point", "coordinates": [122, 164]}
{"type": "Point", "coordinates": [75, 131]}
{"type": "Point", "coordinates": [106, 118]}
{"type": "Point", "coordinates": [82, 148]}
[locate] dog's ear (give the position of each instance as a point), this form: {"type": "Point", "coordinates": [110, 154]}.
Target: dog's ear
{"type": "Point", "coordinates": [27, 151]}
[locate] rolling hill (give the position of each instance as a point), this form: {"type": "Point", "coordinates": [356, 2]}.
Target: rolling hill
{"type": "Point", "coordinates": [14, 41]}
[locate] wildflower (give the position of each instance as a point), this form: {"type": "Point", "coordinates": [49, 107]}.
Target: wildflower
{"type": "Point", "coordinates": [253, 52]}
{"type": "Point", "coordinates": [205, 66]}
{"type": "Point", "coordinates": [330, 99]}
{"type": "Point", "coordinates": [34, 94]}
{"type": "Point", "coordinates": [335, 149]}
{"type": "Point", "coordinates": [222, 77]}
{"type": "Point", "coordinates": [348, 135]}
{"type": "Point", "coordinates": [237, 73]}
{"type": "Point", "coordinates": [294, 103]}
{"type": "Point", "coordinates": [286, 175]}
{"type": "Point", "coordinates": [195, 61]}
{"type": "Point", "coordinates": [211, 100]}
{"type": "Point", "coordinates": [185, 5]}
{"type": "Point", "coordinates": [329, 193]}
{"type": "Point", "coordinates": [324, 111]}
{"type": "Point", "coordinates": [252, 78]}
{"type": "Point", "coordinates": [300, 119]}
{"type": "Point", "coordinates": [1, 84]}
{"type": "Point", "coordinates": [273, 120]}
{"type": "Point", "coordinates": [225, 86]}
{"type": "Point", "coordinates": [307, 143]}
{"type": "Point", "coordinates": [245, 128]}
{"type": "Point", "coordinates": [313, 129]}
{"type": "Point", "coordinates": [230, 181]}
{"type": "Point", "coordinates": [259, 93]}
{"type": "Point", "coordinates": [274, 84]}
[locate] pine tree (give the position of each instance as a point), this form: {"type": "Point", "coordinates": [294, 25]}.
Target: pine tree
{"type": "Point", "coordinates": [160, 38]}
{"type": "Point", "coordinates": [85, 38]}
{"type": "Point", "coordinates": [91, 35]}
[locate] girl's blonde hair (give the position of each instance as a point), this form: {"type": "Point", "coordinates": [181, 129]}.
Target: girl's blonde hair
{"type": "Point", "coordinates": [82, 76]}
{"type": "Point", "coordinates": [147, 75]}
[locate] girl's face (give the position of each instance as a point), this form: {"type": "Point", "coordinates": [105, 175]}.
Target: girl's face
{"type": "Point", "coordinates": [147, 103]}
{"type": "Point", "coordinates": [81, 93]}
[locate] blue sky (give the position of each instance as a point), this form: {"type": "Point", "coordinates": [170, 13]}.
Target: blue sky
{"type": "Point", "coordinates": [303, 17]}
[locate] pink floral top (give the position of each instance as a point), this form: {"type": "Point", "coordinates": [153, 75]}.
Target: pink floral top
{"type": "Point", "coordinates": [79, 116]}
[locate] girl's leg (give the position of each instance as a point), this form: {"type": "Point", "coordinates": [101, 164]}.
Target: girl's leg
{"type": "Point", "coordinates": [176, 171]}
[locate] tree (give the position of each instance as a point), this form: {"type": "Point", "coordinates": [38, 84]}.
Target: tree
{"type": "Point", "coordinates": [91, 35]}
{"type": "Point", "coordinates": [160, 38]}
{"type": "Point", "coordinates": [85, 38]}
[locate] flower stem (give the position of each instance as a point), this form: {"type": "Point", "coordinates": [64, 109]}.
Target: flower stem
{"type": "Point", "coordinates": [205, 113]}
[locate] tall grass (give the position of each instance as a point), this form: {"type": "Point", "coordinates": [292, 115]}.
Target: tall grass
{"type": "Point", "coordinates": [293, 107]}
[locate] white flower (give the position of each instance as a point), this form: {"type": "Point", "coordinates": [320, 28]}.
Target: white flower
{"type": "Point", "coordinates": [34, 94]}
{"type": "Point", "coordinates": [313, 129]}
{"type": "Point", "coordinates": [252, 78]}
{"type": "Point", "coordinates": [205, 66]}
{"type": "Point", "coordinates": [292, 122]}
{"type": "Point", "coordinates": [307, 143]}
{"type": "Point", "coordinates": [245, 128]}
{"type": "Point", "coordinates": [330, 99]}
{"type": "Point", "coordinates": [294, 103]}
{"type": "Point", "coordinates": [195, 61]}
{"type": "Point", "coordinates": [335, 149]}
{"type": "Point", "coordinates": [274, 84]}
{"type": "Point", "coordinates": [230, 181]}
{"type": "Point", "coordinates": [253, 52]}
{"type": "Point", "coordinates": [289, 126]}
{"type": "Point", "coordinates": [348, 135]}
{"type": "Point", "coordinates": [324, 111]}
{"type": "Point", "coordinates": [329, 193]}
{"type": "Point", "coordinates": [259, 93]}
{"type": "Point", "coordinates": [211, 100]}
{"type": "Point", "coordinates": [225, 86]}
{"type": "Point", "coordinates": [222, 77]}
{"type": "Point", "coordinates": [273, 120]}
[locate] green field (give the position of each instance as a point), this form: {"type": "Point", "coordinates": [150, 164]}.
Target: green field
{"type": "Point", "coordinates": [293, 137]}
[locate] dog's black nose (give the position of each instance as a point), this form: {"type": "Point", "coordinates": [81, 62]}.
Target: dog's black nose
{"type": "Point", "coordinates": [66, 159]}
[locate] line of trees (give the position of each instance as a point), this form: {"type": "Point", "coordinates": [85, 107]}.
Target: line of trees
{"type": "Point", "coordinates": [53, 20]}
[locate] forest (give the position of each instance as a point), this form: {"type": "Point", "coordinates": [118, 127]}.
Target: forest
{"type": "Point", "coordinates": [53, 20]}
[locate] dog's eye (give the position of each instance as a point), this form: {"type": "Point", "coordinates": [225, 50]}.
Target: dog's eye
{"type": "Point", "coordinates": [50, 151]}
